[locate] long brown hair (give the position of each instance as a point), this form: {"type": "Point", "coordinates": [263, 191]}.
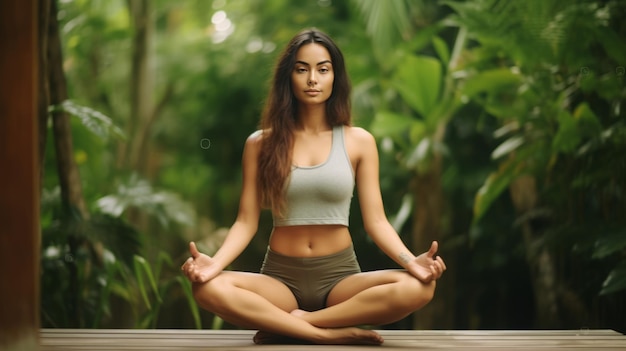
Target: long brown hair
{"type": "Point", "coordinates": [278, 121]}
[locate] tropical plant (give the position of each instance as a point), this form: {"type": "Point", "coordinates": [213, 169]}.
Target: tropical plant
{"type": "Point", "coordinates": [563, 128]}
{"type": "Point", "coordinates": [98, 257]}
{"type": "Point", "coordinates": [492, 117]}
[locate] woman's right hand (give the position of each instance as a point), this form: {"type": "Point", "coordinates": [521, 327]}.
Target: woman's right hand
{"type": "Point", "coordinates": [199, 268]}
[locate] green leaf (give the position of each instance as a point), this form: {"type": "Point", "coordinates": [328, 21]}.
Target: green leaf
{"type": "Point", "coordinates": [495, 184]}
{"type": "Point", "coordinates": [404, 212]}
{"type": "Point", "coordinates": [193, 307]}
{"type": "Point", "coordinates": [122, 290]}
{"type": "Point", "coordinates": [391, 124]}
{"type": "Point", "coordinates": [609, 244]}
{"type": "Point", "coordinates": [422, 37]}
{"type": "Point", "coordinates": [490, 81]}
{"type": "Point", "coordinates": [616, 280]}
{"type": "Point", "coordinates": [417, 131]}
{"type": "Point", "coordinates": [507, 147]}
{"type": "Point", "coordinates": [418, 80]}
{"type": "Point", "coordinates": [419, 156]}
{"type": "Point", "coordinates": [217, 323]}
{"type": "Point", "coordinates": [568, 135]}
{"type": "Point", "coordinates": [95, 121]}
{"type": "Point", "coordinates": [612, 42]}
{"type": "Point", "coordinates": [605, 85]}
{"type": "Point", "coordinates": [385, 20]}
{"type": "Point", "coordinates": [588, 122]}
{"type": "Point", "coordinates": [162, 257]}
{"type": "Point", "coordinates": [142, 267]}
{"type": "Point", "coordinates": [166, 206]}
{"type": "Point", "coordinates": [442, 49]}
{"type": "Point", "coordinates": [142, 286]}
{"type": "Point", "coordinates": [112, 266]}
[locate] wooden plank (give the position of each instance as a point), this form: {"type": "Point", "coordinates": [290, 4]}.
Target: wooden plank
{"type": "Point", "coordinates": [237, 340]}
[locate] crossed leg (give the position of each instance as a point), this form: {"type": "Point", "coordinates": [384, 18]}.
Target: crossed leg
{"type": "Point", "coordinates": [257, 301]}
{"type": "Point", "coordinates": [374, 298]}
{"type": "Point", "coordinates": [260, 302]}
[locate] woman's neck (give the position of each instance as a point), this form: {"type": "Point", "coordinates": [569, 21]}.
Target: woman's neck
{"type": "Point", "coordinates": [312, 118]}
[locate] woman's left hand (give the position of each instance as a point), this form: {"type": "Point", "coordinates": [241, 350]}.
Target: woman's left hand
{"type": "Point", "coordinates": [427, 267]}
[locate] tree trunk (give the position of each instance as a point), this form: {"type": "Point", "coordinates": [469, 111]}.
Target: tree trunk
{"type": "Point", "coordinates": [74, 207]}
{"type": "Point", "coordinates": [69, 177]}
{"type": "Point", "coordinates": [141, 85]}
{"type": "Point", "coordinates": [43, 101]}
{"type": "Point", "coordinates": [427, 227]}
{"type": "Point", "coordinates": [428, 212]}
{"type": "Point", "coordinates": [542, 270]}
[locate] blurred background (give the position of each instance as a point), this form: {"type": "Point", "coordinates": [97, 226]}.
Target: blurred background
{"type": "Point", "coordinates": [499, 124]}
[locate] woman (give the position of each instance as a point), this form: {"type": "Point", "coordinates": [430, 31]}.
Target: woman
{"type": "Point", "coordinates": [303, 164]}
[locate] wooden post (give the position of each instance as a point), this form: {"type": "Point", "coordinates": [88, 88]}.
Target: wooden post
{"type": "Point", "coordinates": [19, 177]}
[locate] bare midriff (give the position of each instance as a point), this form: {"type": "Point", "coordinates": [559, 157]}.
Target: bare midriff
{"type": "Point", "coordinates": [310, 240]}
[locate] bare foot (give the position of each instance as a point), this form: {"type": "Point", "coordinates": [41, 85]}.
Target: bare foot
{"type": "Point", "coordinates": [267, 338]}
{"type": "Point", "coordinates": [332, 336]}
{"type": "Point", "coordinates": [327, 336]}
{"type": "Point", "coordinates": [351, 336]}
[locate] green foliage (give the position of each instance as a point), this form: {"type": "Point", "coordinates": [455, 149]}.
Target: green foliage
{"type": "Point", "coordinates": [488, 82]}
{"type": "Point", "coordinates": [158, 288]}
{"type": "Point", "coordinates": [165, 206]}
{"type": "Point", "coordinates": [185, 285]}
{"type": "Point", "coordinates": [616, 280]}
{"type": "Point", "coordinates": [97, 258]}
{"type": "Point", "coordinates": [142, 268]}
{"type": "Point", "coordinates": [494, 186]}
{"type": "Point", "coordinates": [426, 95]}
{"type": "Point", "coordinates": [385, 20]}
{"type": "Point", "coordinates": [501, 89]}
{"type": "Point", "coordinates": [418, 80]}
{"type": "Point", "coordinates": [95, 121]}
{"type": "Point", "coordinates": [550, 114]}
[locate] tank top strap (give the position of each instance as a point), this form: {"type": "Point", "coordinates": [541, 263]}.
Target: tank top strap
{"type": "Point", "coordinates": [339, 153]}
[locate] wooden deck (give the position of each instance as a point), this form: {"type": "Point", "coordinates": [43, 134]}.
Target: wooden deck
{"type": "Point", "coordinates": [241, 340]}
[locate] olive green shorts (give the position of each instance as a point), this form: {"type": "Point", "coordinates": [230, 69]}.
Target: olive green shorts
{"type": "Point", "coordinates": [311, 279]}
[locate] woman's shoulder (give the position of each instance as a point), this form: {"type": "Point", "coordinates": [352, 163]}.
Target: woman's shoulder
{"type": "Point", "coordinates": [358, 134]}
{"type": "Point", "coordinates": [257, 136]}
{"type": "Point", "coordinates": [253, 141]}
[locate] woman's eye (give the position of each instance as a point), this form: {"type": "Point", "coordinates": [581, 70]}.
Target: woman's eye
{"type": "Point", "coordinates": [300, 70]}
{"type": "Point", "coordinates": [324, 70]}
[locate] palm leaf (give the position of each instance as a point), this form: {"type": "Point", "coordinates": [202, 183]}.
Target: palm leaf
{"type": "Point", "coordinates": [386, 21]}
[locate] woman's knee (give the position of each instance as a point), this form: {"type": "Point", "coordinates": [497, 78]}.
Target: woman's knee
{"type": "Point", "coordinates": [428, 291]}
{"type": "Point", "coordinates": [412, 294]}
{"type": "Point", "coordinates": [213, 294]}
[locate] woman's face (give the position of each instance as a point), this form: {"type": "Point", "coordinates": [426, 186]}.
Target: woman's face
{"type": "Point", "coordinates": [312, 76]}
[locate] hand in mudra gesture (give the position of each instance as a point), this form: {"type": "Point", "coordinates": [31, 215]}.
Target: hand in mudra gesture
{"type": "Point", "coordinates": [427, 267]}
{"type": "Point", "coordinates": [199, 268]}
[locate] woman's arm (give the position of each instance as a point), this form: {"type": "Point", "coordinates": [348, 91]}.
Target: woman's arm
{"type": "Point", "coordinates": [426, 266]}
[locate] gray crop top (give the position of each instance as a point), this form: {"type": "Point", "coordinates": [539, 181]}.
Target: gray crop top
{"type": "Point", "coordinates": [320, 194]}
